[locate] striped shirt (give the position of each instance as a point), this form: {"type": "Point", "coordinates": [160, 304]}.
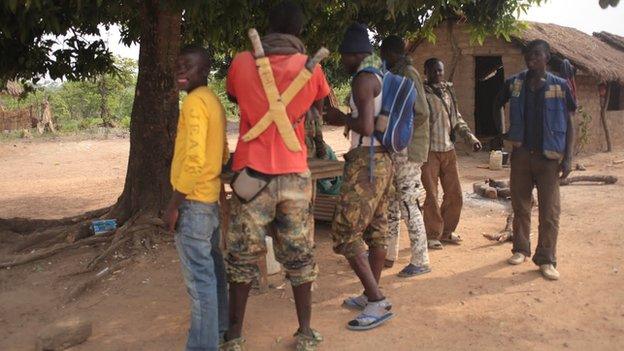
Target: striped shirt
{"type": "Point", "coordinates": [440, 123]}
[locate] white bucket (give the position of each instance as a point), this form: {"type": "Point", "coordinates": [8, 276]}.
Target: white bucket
{"type": "Point", "coordinates": [496, 159]}
{"type": "Point", "coordinates": [273, 266]}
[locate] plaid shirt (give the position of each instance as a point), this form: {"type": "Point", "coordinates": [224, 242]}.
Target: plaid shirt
{"type": "Point", "coordinates": [441, 124]}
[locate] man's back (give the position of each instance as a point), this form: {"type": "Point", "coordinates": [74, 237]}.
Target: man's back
{"type": "Point", "coordinates": [268, 153]}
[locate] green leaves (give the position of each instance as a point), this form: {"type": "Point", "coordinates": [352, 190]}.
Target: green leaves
{"type": "Point", "coordinates": [28, 26]}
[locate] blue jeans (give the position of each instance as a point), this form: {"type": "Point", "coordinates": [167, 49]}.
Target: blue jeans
{"type": "Point", "coordinates": [197, 241]}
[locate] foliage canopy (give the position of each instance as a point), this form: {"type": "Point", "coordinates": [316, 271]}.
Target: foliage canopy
{"type": "Point", "coordinates": [28, 28]}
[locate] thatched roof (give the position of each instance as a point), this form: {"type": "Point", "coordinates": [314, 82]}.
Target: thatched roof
{"type": "Point", "coordinates": [614, 40]}
{"type": "Point", "coordinates": [586, 52]}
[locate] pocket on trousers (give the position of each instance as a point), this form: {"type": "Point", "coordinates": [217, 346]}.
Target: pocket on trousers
{"type": "Point", "coordinates": [195, 224]}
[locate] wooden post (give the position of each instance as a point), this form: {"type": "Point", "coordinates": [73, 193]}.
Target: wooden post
{"type": "Point", "coordinates": [604, 103]}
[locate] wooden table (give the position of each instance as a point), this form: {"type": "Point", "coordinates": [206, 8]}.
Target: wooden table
{"type": "Point", "coordinates": [319, 169]}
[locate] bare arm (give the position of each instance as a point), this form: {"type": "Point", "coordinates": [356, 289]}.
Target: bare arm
{"type": "Point", "coordinates": [335, 117]}
{"type": "Point", "coordinates": [365, 88]}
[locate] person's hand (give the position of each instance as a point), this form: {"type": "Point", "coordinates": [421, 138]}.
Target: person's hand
{"type": "Point", "coordinates": [566, 168]}
{"type": "Point", "coordinates": [476, 144]}
{"type": "Point", "coordinates": [170, 217]}
{"type": "Point", "coordinates": [334, 116]}
{"type": "Point", "coordinates": [321, 152]}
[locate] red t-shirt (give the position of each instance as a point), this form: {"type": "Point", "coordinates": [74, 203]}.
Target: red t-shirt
{"type": "Point", "coordinates": [267, 153]}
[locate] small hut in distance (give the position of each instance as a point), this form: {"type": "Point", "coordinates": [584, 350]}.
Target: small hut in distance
{"type": "Point", "coordinates": [478, 72]}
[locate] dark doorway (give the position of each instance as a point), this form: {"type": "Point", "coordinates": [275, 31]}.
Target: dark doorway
{"type": "Point", "coordinates": [489, 80]}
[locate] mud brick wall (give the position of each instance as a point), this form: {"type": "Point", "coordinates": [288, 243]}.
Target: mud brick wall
{"type": "Point", "coordinates": [588, 98]}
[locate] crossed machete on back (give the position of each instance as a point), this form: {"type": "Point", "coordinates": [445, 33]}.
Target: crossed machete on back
{"type": "Point", "coordinates": [277, 103]}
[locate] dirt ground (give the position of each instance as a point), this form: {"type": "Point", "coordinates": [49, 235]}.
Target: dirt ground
{"type": "Point", "coordinates": [472, 300]}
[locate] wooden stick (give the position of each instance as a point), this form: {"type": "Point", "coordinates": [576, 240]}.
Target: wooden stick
{"type": "Point", "coordinates": [258, 50]}
{"type": "Point", "coordinates": [318, 57]}
{"type": "Point", "coordinates": [590, 178]}
{"type": "Point", "coordinates": [603, 118]}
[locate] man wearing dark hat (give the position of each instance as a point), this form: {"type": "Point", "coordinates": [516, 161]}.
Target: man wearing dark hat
{"type": "Point", "coordinates": [360, 223]}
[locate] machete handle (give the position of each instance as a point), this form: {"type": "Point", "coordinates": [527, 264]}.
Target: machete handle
{"type": "Point", "coordinates": [258, 51]}
{"type": "Point", "coordinates": [318, 57]}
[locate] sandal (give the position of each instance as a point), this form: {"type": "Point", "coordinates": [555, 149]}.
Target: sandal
{"type": "Point", "coordinates": [306, 342]}
{"type": "Point", "coordinates": [452, 239]}
{"type": "Point", "coordinates": [237, 344]}
{"type": "Point", "coordinates": [411, 271]}
{"type": "Point", "coordinates": [359, 302]}
{"type": "Point", "coordinates": [373, 316]}
{"type": "Point", "coordinates": [434, 245]}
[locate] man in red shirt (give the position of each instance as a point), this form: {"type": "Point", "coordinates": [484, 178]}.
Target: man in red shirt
{"type": "Point", "coordinates": [281, 207]}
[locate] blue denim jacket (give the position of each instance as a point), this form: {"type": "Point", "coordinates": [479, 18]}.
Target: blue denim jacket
{"type": "Point", "coordinates": [556, 112]}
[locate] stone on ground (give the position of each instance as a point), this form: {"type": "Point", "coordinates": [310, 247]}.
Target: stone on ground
{"type": "Point", "coordinates": [63, 334]}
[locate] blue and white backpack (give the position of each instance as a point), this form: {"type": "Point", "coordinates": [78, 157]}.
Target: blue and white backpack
{"type": "Point", "coordinates": [394, 125]}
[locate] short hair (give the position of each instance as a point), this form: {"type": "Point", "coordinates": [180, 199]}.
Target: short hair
{"type": "Point", "coordinates": [394, 44]}
{"type": "Point", "coordinates": [538, 43]}
{"type": "Point", "coordinates": [286, 17]}
{"type": "Point", "coordinates": [203, 53]}
{"type": "Point", "coordinates": [431, 62]}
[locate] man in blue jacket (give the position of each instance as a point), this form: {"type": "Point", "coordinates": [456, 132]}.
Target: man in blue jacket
{"type": "Point", "coordinates": [541, 131]}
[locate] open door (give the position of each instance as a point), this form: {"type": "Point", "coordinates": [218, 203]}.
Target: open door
{"type": "Point", "coordinates": [489, 80]}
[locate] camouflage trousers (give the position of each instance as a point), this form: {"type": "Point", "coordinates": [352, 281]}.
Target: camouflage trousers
{"type": "Point", "coordinates": [361, 219]}
{"type": "Point", "coordinates": [282, 210]}
{"type": "Point", "coordinates": [404, 205]}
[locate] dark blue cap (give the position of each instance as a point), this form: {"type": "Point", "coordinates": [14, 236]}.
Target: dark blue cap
{"type": "Point", "coordinates": [356, 40]}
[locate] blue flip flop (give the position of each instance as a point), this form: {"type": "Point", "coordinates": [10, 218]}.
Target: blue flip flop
{"type": "Point", "coordinates": [412, 270]}
{"type": "Point", "coordinates": [360, 322]}
{"type": "Point", "coordinates": [359, 302]}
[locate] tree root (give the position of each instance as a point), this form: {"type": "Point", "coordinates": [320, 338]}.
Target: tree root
{"type": "Point", "coordinates": [50, 251]}
{"type": "Point", "coordinates": [45, 238]}
{"type": "Point", "coordinates": [590, 178]}
{"type": "Point", "coordinates": [138, 228]}
{"type": "Point", "coordinates": [25, 225]}
{"type": "Point", "coordinates": [77, 290]}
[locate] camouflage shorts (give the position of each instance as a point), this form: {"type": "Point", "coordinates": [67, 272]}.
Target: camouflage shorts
{"type": "Point", "coordinates": [361, 212]}
{"type": "Point", "coordinates": [283, 211]}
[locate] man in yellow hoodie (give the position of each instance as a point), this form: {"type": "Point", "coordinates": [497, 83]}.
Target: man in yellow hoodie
{"type": "Point", "coordinates": [195, 177]}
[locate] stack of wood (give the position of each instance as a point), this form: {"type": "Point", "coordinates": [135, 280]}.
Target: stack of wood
{"type": "Point", "coordinates": [493, 189]}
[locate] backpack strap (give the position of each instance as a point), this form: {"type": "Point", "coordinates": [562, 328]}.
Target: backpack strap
{"type": "Point", "coordinates": [370, 69]}
{"type": "Point", "coordinates": [277, 103]}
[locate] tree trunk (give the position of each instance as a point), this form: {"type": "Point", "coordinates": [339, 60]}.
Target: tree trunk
{"type": "Point", "coordinates": [154, 114]}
